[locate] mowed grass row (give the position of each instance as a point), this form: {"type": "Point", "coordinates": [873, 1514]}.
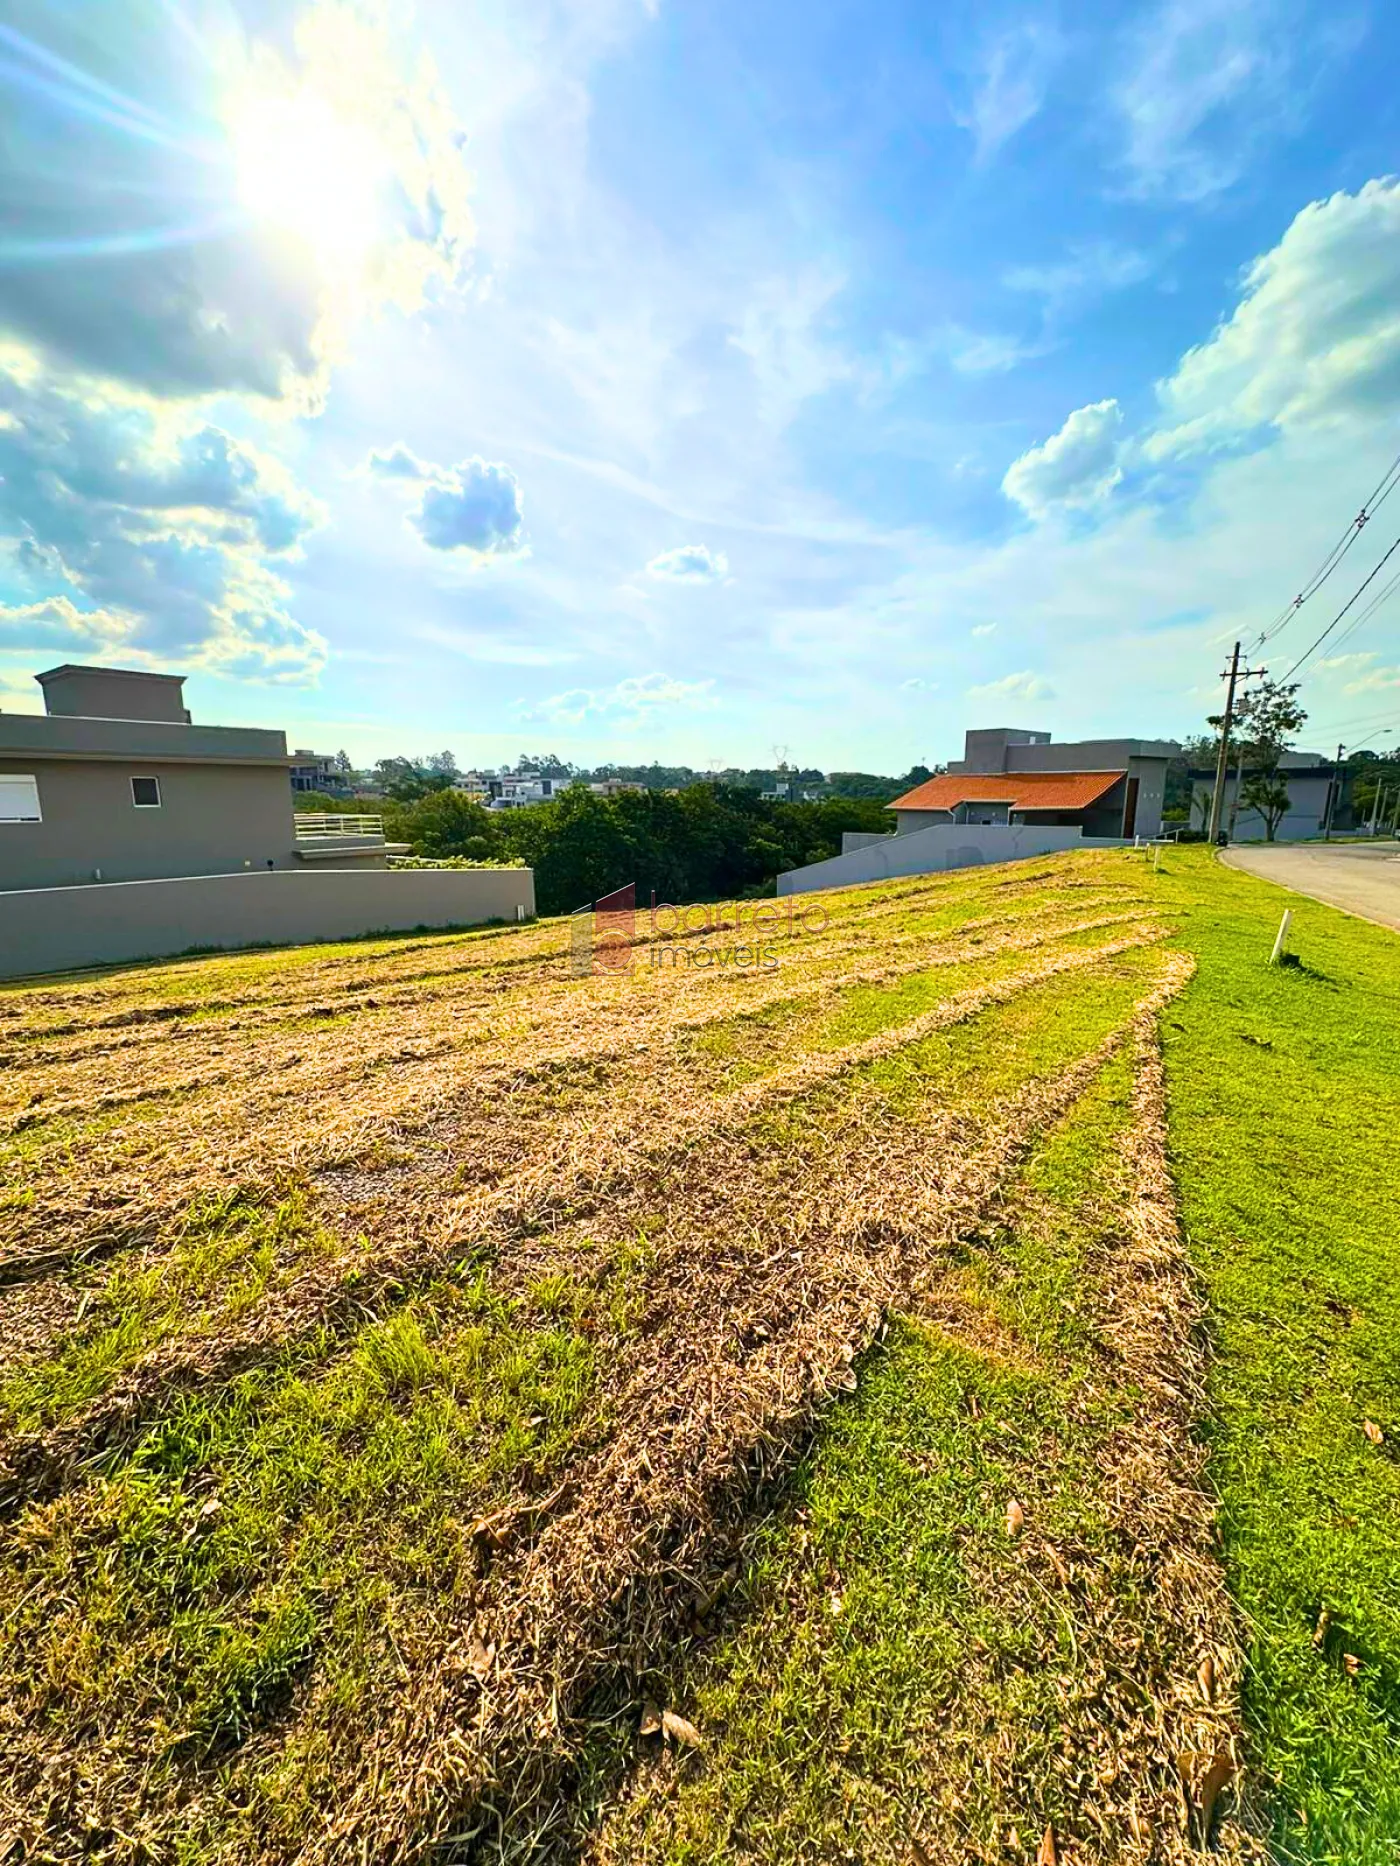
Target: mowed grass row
{"type": "Point", "coordinates": [231, 1251]}
{"type": "Point", "coordinates": [293, 1540]}
{"type": "Point", "coordinates": [354, 1469]}
{"type": "Point", "coordinates": [891, 1661]}
{"type": "Point", "coordinates": [903, 1674]}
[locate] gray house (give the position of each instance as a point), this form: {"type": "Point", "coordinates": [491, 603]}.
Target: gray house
{"type": "Point", "coordinates": [1310, 779]}
{"type": "Point", "coordinates": [1102, 787]}
{"type": "Point", "coordinates": [115, 783]}
{"type": "Point", "coordinates": [129, 832]}
{"type": "Point", "coordinates": [1012, 795]}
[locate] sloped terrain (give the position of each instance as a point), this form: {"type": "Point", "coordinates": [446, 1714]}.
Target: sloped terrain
{"type": "Point", "coordinates": [415, 1356]}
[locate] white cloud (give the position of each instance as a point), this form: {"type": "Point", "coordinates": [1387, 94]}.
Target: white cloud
{"type": "Point", "coordinates": [57, 623]}
{"type": "Point", "coordinates": [632, 702]}
{"type": "Point", "coordinates": [983, 629]}
{"type": "Point", "coordinates": [986, 353]}
{"type": "Point", "coordinates": [1358, 658]}
{"type": "Point", "coordinates": [1379, 680]}
{"type": "Point", "coordinates": [1074, 467]}
{"type": "Point", "coordinates": [1084, 274]}
{"type": "Point", "coordinates": [1009, 79]}
{"type": "Point", "coordinates": [154, 519]}
{"type": "Point", "coordinates": [1315, 336]}
{"type": "Point", "coordinates": [919, 685]}
{"type": "Point", "coordinates": [399, 462]}
{"type": "Point", "coordinates": [781, 331]}
{"type": "Point", "coordinates": [475, 507]}
{"type": "Point", "coordinates": [1207, 82]}
{"type": "Point", "coordinates": [1020, 686]}
{"type": "Point", "coordinates": [690, 563]}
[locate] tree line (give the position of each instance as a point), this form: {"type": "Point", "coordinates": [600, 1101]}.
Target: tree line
{"type": "Point", "coordinates": [704, 842]}
{"type": "Point", "coordinates": [404, 780]}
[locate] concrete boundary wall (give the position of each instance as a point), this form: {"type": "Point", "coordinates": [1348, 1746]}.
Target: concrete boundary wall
{"type": "Point", "coordinates": [60, 929]}
{"type": "Point", "coordinates": [927, 851]}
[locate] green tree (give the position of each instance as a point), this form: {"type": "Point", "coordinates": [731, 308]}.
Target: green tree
{"type": "Point", "coordinates": [1267, 719]}
{"type": "Point", "coordinates": [444, 822]}
{"type": "Point", "coordinates": [403, 780]}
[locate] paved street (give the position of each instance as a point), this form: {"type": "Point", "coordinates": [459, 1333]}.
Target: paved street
{"type": "Point", "coordinates": [1362, 878]}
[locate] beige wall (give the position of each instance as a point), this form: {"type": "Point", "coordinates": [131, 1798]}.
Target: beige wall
{"type": "Point", "coordinates": [59, 929]}
{"type": "Point", "coordinates": [213, 819]}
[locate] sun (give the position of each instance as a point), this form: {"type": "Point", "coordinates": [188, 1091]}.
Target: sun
{"type": "Point", "coordinates": [301, 167]}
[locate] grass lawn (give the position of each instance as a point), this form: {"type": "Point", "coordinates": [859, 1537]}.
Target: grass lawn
{"type": "Point", "coordinates": [887, 1637]}
{"type": "Point", "coordinates": [427, 1369]}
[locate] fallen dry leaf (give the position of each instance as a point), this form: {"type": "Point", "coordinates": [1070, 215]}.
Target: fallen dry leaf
{"type": "Point", "coordinates": [1324, 1620]}
{"type": "Point", "coordinates": [1217, 1775]}
{"type": "Point", "coordinates": [1373, 1431]}
{"type": "Point", "coordinates": [1015, 1518]}
{"type": "Point", "coordinates": [680, 1731]}
{"type": "Point", "coordinates": [1047, 1855]}
{"type": "Point", "coordinates": [1061, 1572]}
{"type": "Point", "coordinates": [480, 1657]}
{"type": "Point", "coordinates": [1207, 1677]}
{"type": "Point", "coordinates": [1352, 1664]}
{"type": "Point", "coordinates": [651, 1721]}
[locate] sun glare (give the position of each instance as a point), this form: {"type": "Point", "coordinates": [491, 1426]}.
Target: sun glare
{"type": "Point", "coordinates": [301, 167]}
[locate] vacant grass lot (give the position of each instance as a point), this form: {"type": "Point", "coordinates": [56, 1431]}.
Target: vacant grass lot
{"type": "Point", "coordinates": [935, 1399]}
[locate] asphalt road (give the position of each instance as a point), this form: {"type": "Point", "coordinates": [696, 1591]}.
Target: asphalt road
{"type": "Point", "coordinates": [1363, 878]}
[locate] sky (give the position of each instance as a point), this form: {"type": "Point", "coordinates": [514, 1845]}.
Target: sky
{"type": "Point", "coordinates": [696, 380]}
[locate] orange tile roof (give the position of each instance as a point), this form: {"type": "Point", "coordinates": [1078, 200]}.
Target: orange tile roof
{"type": "Point", "coordinates": [1023, 790]}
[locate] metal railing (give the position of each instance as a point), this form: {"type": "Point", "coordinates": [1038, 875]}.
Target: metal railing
{"type": "Point", "coordinates": [317, 826]}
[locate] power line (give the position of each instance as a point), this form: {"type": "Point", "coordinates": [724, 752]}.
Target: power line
{"type": "Point", "coordinates": [1384, 487]}
{"type": "Point", "coordinates": [1355, 724]}
{"type": "Point", "coordinates": [1308, 653]}
{"type": "Point", "coordinates": [1367, 612]}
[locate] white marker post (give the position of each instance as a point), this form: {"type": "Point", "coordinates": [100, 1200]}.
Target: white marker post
{"type": "Point", "coordinates": [1156, 857]}
{"type": "Point", "coordinates": [1283, 924]}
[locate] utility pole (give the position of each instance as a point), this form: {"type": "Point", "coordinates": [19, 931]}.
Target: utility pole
{"type": "Point", "coordinates": [1234, 673]}
{"type": "Point", "coordinates": [1376, 805]}
{"type": "Point", "coordinates": [1334, 786]}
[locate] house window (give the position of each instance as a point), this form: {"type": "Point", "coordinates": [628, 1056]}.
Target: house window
{"type": "Point", "coordinates": [145, 793]}
{"type": "Point", "coordinates": [19, 800]}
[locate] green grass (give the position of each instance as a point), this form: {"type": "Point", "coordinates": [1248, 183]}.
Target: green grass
{"type": "Point", "coordinates": [313, 1513]}
{"type": "Point", "coordinates": [888, 1632]}
{"type": "Point", "coordinates": [891, 1667]}
{"type": "Point", "coordinates": [231, 1253]}
{"type": "Point", "coordinates": [830, 1732]}
{"type": "Point", "coordinates": [1285, 1091]}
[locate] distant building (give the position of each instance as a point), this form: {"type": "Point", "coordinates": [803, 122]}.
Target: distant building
{"type": "Point", "coordinates": [1103, 787]}
{"type": "Point", "coordinates": [113, 782]}
{"type": "Point", "coordinates": [129, 832]}
{"type": "Point", "coordinates": [524, 787]}
{"type": "Point", "coordinates": [1311, 780]}
{"type": "Point", "coordinates": [1013, 795]}
{"type": "Point", "coordinates": [613, 787]}
{"type": "Point", "coordinates": [317, 771]}
{"type": "Point", "coordinates": [479, 786]}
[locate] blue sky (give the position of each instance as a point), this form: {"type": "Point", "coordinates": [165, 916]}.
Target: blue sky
{"type": "Point", "coordinates": [637, 378]}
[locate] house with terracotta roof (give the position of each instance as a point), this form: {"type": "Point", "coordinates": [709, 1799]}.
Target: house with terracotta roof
{"type": "Point", "coordinates": [1101, 787]}
{"type": "Point", "coordinates": [1012, 795]}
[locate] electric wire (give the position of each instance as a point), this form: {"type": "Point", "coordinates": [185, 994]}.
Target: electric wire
{"type": "Point", "coordinates": [1308, 653]}
{"type": "Point", "coordinates": [1384, 487]}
